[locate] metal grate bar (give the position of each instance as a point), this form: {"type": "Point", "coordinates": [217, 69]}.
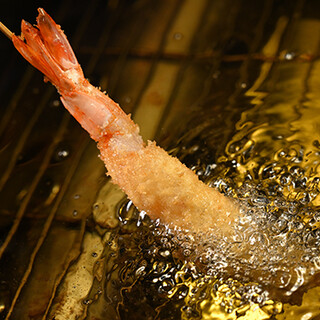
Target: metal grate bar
{"type": "Point", "coordinates": [58, 137]}
{"type": "Point", "coordinates": [46, 227]}
{"type": "Point", "coordinates": [161, 46]}
{"type": "Point", "coordinates": [186, 62]}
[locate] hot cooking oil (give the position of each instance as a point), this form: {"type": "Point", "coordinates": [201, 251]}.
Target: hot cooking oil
{"type": "Point", "coordinates": [268, 162]}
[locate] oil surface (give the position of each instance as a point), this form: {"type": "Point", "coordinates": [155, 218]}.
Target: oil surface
{"type": "Point", "coordinates": [273, 256]}
{"type": "Point", "coordinates": [269, 164]}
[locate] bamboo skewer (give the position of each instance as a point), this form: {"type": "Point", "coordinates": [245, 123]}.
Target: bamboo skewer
{"type": "Point", "coordinates": [6, 31]}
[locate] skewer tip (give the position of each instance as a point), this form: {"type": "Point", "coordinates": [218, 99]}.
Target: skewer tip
{"type": "Point", "coordinates": [6, 31]}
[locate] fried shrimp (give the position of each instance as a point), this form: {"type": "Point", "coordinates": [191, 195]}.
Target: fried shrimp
{"type": "Point", "coordinates": [156, 182]}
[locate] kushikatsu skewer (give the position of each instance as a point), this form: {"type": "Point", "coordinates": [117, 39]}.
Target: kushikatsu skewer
{"type": "Point", "coordinates": [156, 182]}
{"type": "Point", "coordinates": [5, 31]}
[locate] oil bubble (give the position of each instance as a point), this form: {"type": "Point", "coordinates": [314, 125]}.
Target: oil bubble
{"type": "Point", "coordinates": [289, 56]}
{"type": "Point", "coordinates": [61, 153]}
{"type": "Point", "coordinates": [177, 36]}
{"type": "Point", "coordinates": [55, 103]}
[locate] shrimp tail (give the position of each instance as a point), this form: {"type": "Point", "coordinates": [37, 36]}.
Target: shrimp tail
{"type": "Point", "coordinates": [47, 49]}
